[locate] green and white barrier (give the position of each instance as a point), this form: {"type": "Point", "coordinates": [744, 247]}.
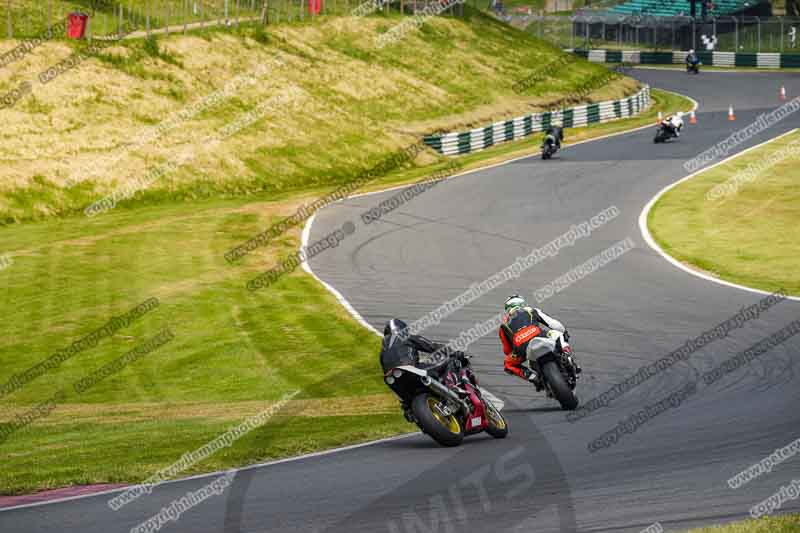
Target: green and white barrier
{"type": "Point", "coordinates": [481, 138]}
{"type": "Point", "coordinates": [717, 59]}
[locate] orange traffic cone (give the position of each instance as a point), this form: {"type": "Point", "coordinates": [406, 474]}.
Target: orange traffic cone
{"type": "Point", "coordinates": [660, 118]}
{"type": "Point", "coordinates": [783, 92]}
{"type": "Point", "coordinates": [731, 116]}
{"type": "Point", "coordinates": [692, 117]}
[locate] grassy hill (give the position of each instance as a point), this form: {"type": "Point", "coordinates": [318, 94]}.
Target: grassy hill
{"type": "Point", "coordinates": [351, 103]}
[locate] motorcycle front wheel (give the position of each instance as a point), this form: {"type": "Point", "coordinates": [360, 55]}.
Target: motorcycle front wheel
{"type": "Point", "coordinates": [497, 428]}
{"type": "Point", "coordinates": [444, 429]}
{"type": "Point", "coordinates": [563, 393]}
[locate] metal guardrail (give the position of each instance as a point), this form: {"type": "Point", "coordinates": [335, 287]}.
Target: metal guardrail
{"type": "Point", "coordinates": [509, 130]}
{"type": "Point", "coordinates": [717, 59]}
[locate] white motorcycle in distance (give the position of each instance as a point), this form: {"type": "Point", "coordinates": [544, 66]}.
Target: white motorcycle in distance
{"type": "Point", "coordinates": [669, 128]}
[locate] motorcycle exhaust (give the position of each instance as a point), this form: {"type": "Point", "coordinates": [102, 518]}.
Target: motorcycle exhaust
{"type": "Point", "coordinates": [443, 391]}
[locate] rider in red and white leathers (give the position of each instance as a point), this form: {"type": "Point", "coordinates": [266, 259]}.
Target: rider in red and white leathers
{"type": "Point", "coordinates": [527, 333]}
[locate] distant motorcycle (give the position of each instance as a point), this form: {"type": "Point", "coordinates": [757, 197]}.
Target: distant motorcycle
{"type": "Point", "coordinates": [557, 369]}
{"type": "Point", "coordinates": [444, 400]}
{"type": "Point", "coordinates": [549, 147]}
{"type": "Point", "coordinates": [664, 133]}
{"type": "Point", "coordinates": [693, 68]}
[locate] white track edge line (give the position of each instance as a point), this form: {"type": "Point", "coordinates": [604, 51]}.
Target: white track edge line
{"type": "Point", "coordinates": [648, 237]}
{"type": "Point", "coordinates": [339, 296]}
{"type": "Point", "coordinates": [217, 473]}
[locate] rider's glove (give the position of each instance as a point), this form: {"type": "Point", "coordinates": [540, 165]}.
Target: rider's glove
{"type": "Point", "coordinates": [463, 358]}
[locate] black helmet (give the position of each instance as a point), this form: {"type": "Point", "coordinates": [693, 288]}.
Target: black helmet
{"type": "Point", "coordinates": [395, 349]}
{"type": "Point", "coordinates": [394, 331]}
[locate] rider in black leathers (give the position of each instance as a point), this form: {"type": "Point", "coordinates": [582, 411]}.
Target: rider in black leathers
{"type": "Point", "coordinates": [557, 132]}
{"type": "Point", "coordinates": [402, 348]}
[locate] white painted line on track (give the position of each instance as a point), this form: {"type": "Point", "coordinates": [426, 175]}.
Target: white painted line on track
{"type": "Point", "coordinates": [218, 473]}
{"type": "Point", "coordinates": [339, 296]}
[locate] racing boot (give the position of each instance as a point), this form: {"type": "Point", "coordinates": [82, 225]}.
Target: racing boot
{"type": "Point", "coordinates": [533, 377]}
{"type": "Point", "coordinates": [566, 349]}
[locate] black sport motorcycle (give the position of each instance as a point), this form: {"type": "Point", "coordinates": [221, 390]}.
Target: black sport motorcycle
{"type": "Point", "coordinates": [444, 400]}
{"type": "Point", "coordinates": [549, 147]}
{"type": "Point", "coordinates": [693, 68]}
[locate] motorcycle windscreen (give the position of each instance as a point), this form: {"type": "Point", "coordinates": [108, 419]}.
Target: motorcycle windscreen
{"type": "Point", "coordinates": [398, 354]}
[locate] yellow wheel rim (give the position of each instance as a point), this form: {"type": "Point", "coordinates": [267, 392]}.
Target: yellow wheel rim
{"type": "Point", "coordinates": [495, 417]}
{"type": "Point", "coordinates": [450, 422]}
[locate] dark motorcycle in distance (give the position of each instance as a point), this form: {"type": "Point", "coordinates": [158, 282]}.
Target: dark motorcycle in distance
{"type": "Point", "coordinates": [444, 400]}
{"type": "Point", "coordinates": [664, 133]}
{"type": "Point", "coordinates": [557, 370]}
{"type": "Point", "coordinates": [693, 68]}
{"type": "Point", "coordinates": [549, 147]}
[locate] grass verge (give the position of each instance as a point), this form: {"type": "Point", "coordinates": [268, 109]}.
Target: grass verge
{"type": "Point", "coordinates": [770, 524]}
{"type": "Point", "coordinates": [745, 233]}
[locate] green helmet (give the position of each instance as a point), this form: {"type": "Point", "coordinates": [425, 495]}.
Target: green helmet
{"type": "Point", "coordinates": [512, 302]}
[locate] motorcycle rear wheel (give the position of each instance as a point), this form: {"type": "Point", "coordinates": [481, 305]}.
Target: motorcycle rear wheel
{"type": "Point", "coordinates": [563, 393]}
{"type": "Point", "coordinates": [446, 430]}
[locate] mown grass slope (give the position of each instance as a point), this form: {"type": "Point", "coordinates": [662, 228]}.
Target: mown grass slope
{"type": "Point", "coordinates": [352, 104]}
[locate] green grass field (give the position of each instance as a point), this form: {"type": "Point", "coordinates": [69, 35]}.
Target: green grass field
{"type": "Point", "coordinates": [747, 235]}
{"type": "Point", "coordinates": [234, 352]}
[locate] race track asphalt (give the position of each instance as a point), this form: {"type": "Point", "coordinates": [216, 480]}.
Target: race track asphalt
{"type": "Point", "coordinates": [673, 469]}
